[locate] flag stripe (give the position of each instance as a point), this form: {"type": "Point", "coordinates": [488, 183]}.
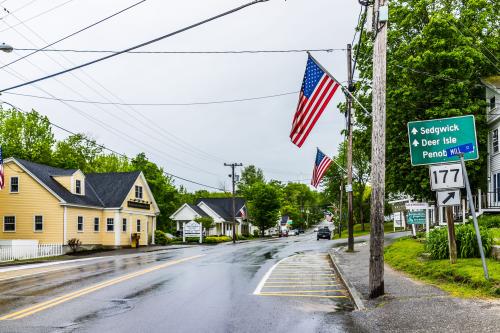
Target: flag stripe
{"type": "Point", "coordinates": [321, 164]}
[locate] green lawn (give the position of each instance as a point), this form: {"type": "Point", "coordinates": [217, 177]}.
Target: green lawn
{"type": "Point", "coordinates": [358, 232]}
{"type": "Point", "coordinates": [463, 279]}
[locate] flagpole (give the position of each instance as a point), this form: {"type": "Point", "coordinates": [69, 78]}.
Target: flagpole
{"type": "Point", "coordinates": [333, 78]}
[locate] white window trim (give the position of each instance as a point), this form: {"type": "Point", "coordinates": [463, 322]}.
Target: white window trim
{"type": "Point", "coordinates": [81, 192]}
{"type": "Point", "coordinates": [126, 224]}
{"type": "Point", "coordinates": [10, 185]}
{"type": "Point", "coordinates": [98, 224]}
{"type": "Point", "coordinates": [110, 218]}
{"type": "Point", "coordinates": [83, 224]}
{"type": "Point", "coordinates": [15, 223]}
{"type": "Point", "coordinates": [493, 152]}
{"type": "Point", "coordinates": [141, 192]}
{"type": "Point", "coordinates": [34, 223]}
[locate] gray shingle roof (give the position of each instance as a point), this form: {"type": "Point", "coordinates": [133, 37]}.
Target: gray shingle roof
{"type": "Point", "coordinates": [107, 190]}
{"type": "Point", "coordinates": [199, 211]}
{"type": "Point", "coordinates": [223, 206]}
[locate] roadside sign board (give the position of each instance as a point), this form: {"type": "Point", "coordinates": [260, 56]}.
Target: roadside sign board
{"type": "Point", "coordinates": [446, 176]}
{"type": "Point", "coordinates": [416, 205]}
{"type": "Point", "coordinates": [448, 198]}
{"type": "Point", "coordinates": [192, 229]}
{"type": "Point", "coordinates": [417, 216]}
{"type": "Point", "coordinates": [430, 140]}
{"type": "Point", "coordinates": [398, 220]}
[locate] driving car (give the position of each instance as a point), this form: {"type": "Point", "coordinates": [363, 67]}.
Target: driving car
{"type": "Point", "coordinates": [324, 233]}
{"type": "Point", "coordinates": [294, 232]}
{"type": "Point", "coordinates": [316, 229]}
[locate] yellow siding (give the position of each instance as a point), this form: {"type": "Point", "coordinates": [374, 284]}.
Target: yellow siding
{"type": "Point", "coordinates": [88, 236]}
{"type": "Point", "coordinates": [108, 237]}
{"type": "Point", "coordinates": [32, 199]}
{"type": "Point", "coordinates": [145, 197]}
{"type": "Point", "coordinates": [78, 175]}
{"type": "Point", "coordinates": [64, 181]}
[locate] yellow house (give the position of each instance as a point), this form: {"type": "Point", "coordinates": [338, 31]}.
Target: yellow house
{"type": "Point", "coordinates": [53, 205]}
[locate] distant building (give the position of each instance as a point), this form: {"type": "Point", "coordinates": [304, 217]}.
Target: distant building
{"type": "Point", "coordinates": [492, 85]}
{"type": "Point", "coordinates": [220, 210]}
{"type": "Point", "coordinates": [53, 205]}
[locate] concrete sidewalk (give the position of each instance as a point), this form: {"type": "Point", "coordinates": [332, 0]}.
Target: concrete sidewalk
{"type": "Point", "coordinates": [409, 305]}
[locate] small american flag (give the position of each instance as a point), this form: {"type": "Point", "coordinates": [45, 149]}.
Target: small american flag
{"type": "Point", "coordinates": [318, 88]}
{"type": "Point", "coordinates": [242, 213]}
{"type": "Point", "coordinates": [2, 176]}
{"type": "Point", "coordinates": [320, 166]}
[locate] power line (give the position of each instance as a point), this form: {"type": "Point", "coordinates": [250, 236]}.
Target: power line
{"type": "Point", "coordinates": [139, 45]}
{"type": "Point", "coordinates": [37, 15]}
{"type": "Point", "coordinates": [157, 104]}
{"type": "Point", "coordinates": [74, 33]}
{"type": "Point", "coordinates": [185, 52]}
{"type": "Point", "coordinates": [111, 150]}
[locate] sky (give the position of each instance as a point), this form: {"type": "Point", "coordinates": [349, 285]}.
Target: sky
{"type": "Point", "coordinates": [193, 141]}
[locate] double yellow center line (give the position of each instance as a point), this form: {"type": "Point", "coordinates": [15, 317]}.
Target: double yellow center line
{"type": "Point", "coordinates": [53, 302]}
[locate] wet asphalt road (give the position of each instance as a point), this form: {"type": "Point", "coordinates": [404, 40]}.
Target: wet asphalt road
{"type": "Point", "coordinates": [195, 289]}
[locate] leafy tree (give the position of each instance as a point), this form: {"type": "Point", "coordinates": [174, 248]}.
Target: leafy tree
{"type": "Point", "coordinates": [250, 175]}
{"type": "Point", "coordinates": [207, 222]}
{"type": "Point", "coordinates": [264, 206]}
{"type": "Point", "coordinates": [438, 50]}
{"type": "Point", "coordinates": [26, 135]}
{"type": "Point", "coordinates": [77, 152]}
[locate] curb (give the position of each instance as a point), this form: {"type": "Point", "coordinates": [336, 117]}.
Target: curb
{"type": "Point", "coordinates": [355, 296]}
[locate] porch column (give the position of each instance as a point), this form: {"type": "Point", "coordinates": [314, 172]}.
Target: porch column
{"type": "Point", "coordinates": [479, 201]}
{"type": "Point", "coordinates": [117, 228]}
{"type": "Point", "coordinates": [463, 211]}
{"type": "Point", "coordinates": [154, 229]}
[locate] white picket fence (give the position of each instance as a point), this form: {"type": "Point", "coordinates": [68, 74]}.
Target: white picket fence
{"type": "Point", "coordinates": [18, 252]}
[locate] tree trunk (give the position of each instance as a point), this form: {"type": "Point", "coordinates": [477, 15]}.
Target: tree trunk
{"type": "Point", "coordinates": [451, 235]}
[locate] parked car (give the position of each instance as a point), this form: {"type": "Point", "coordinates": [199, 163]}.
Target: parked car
{"type": "Point", "coordinates": [294, 232]}
{"type": "Point", "coordinates": [284, 233]}
{"type": "Point", "coordinates": [316, 229]}
{"type": "Point", "coordinates": [324, 233]}
{"type": "Point", "coordinates": [301, 231]}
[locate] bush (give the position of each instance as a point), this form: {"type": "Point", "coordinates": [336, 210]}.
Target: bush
{"type": "Point", "coordinates": [74, 244]}
{"type": "Point", "coordinates": [489, 221]}
{"type": "Point", "coordinates": [256, 233]}
{"type": "Point", "coordinates": [161, 238]}
{"type": "Point", "coordinates": [467, 247]}
{"type": "Point", "coordinates": [216, 239]}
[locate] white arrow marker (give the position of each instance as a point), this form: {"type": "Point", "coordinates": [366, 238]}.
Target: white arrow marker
{"type": "Point", "coordinates": [414, 131]}
{"type": "Point", "coordinates": [415, 142]}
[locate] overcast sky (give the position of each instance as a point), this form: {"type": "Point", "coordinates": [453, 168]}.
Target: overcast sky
{"type": "Point", "coordinates": [188, 141]}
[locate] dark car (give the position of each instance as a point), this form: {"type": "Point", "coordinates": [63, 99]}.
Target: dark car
{"type": "Point", "coordinates": [324, 233]}
{"type": "Point", "coordinates": [301, 231]}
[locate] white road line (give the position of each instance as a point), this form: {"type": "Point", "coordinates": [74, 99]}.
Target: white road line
{"type": "Point", "coordinates": [30, 266]}
{"type": "Point", "coordinates": [266, 276]}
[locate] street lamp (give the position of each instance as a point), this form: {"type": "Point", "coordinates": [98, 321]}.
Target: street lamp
{"type": "Point", "coordinates": [6, 48]}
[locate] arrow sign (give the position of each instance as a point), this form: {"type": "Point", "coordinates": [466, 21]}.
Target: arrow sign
{"type": "Point", "coordinates": [415, 143]}
{"type": "Point", "coordinates": [448, 198]}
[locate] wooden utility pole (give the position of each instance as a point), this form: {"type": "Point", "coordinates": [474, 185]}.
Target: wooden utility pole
{"type": "Point", "coordinates": [350, 222]}
{"type": "Point", "coordinates": [452, 243]}
{"type": "Point", "coordinates": [340, 208]}
{"type": "Point", "coordinates": [233, 165]}
{"type": "Point", "coordinates": [376, 269]}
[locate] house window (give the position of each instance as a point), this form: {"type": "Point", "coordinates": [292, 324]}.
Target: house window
{"type": "Point", "coordinates": [79, 225]}
{"type": "Point", "coordinates": [492, 103]}
{"type": "Point", "coordinates": [138, 192]}
{"type": "Point", "coordinates": [124, 225]}
{"type": "Point", "coordinates": [9, 223]}
{"type": "Point", "coordinates": [110, 224]}
{"type": "Point", "coordinates": [14, 184]}
{"type": "Point", "coordinates": [96, 224]}
{"type": "Point", "coordinates": [38, 223]}
{"type": "Point", "coordinates": [78, 186]}
{"type": "Point", "coordinates": [494, 140]}
{"type": "Point", "coordinates": [138, 225]}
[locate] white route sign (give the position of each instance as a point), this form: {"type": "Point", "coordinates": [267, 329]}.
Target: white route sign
{"type": "Point", "coordinates": [416, 205]}
{"type": "Point", "coordinates": [448, 198]}
{"type": "Point", "coordinates": [446, 176]}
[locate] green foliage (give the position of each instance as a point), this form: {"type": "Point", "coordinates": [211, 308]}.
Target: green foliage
{"type": "Point", "coordinates": [216, 239]}
{"type": "Point", "coordinates": [250, 175]}
{"type": "Point", "coordinates": [437, 53]}
{"type": "Point", "coordinates": [161, 238]}
{"type": "Point", "coordinates": [264, 206]}
{"type": "Point", "coordinates": [465, 278]}
{"type": "Point", "coordinates": [467, 247]}
{"type": "Point", "coordinates": [489, 221]}
{"type": "Point", "coordinates": [207, 222]}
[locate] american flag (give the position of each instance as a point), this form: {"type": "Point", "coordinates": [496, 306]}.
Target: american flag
{"type": "Point", "coordinates": [320, 166]}
{"type": "Point", "coordinates": [318, 88]}
{"type": "Point", "coordinates": [242, 213]}
{"type": "Point", "coordinates": [2, 176]}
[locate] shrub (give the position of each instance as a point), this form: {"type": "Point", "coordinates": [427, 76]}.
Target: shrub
{"type": "Point", "coordinates": [216, 239]}
{"type": "Point", "coordinates": [489, 221]}
{"type": "Point", "coordinates": [74, 244]}
{"type": "Point", "coordinates": [161, 238]}
{"type": "Point", "coordinates": [256, 233]}
{"type": "Point", "coordinates": [467, 247]}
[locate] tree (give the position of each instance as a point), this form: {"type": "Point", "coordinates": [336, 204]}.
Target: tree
{"type": "Point", "coordinates": [206, 222]}
{"type": "Point", "coordinates": [250, 175]}
{"type": "Point", "coordinates": [26, 135]}
{"type": "Point", "coordinates": [264, 206]}
{"type": "Point", "coordinates": [438, 50]}
{"type": "Point", "coordinates": [77, 152]}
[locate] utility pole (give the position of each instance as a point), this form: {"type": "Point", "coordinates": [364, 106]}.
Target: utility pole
{"type": "Point", "coordinates": [340, 207]}
{"type": "Point", "coordinates": [350, 87]}
{"type": "Point", "coordinates": [376, 269]}
{"type": "Point", "coordinates": [233, 179]}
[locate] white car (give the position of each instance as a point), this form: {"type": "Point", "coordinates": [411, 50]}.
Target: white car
{"type": "Point", "coordinates": [316, 229]}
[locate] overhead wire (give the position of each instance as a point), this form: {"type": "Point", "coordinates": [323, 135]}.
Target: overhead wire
{"type": "Point", "coordinates": [114, 151]}
{"type": "Point", "coordinates": [231, 11]}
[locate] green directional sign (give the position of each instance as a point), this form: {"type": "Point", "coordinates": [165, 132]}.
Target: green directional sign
{"type": "Point", "coordinates": [431, 140]}
{"type": "Point", "coordinates": [416, 217]}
